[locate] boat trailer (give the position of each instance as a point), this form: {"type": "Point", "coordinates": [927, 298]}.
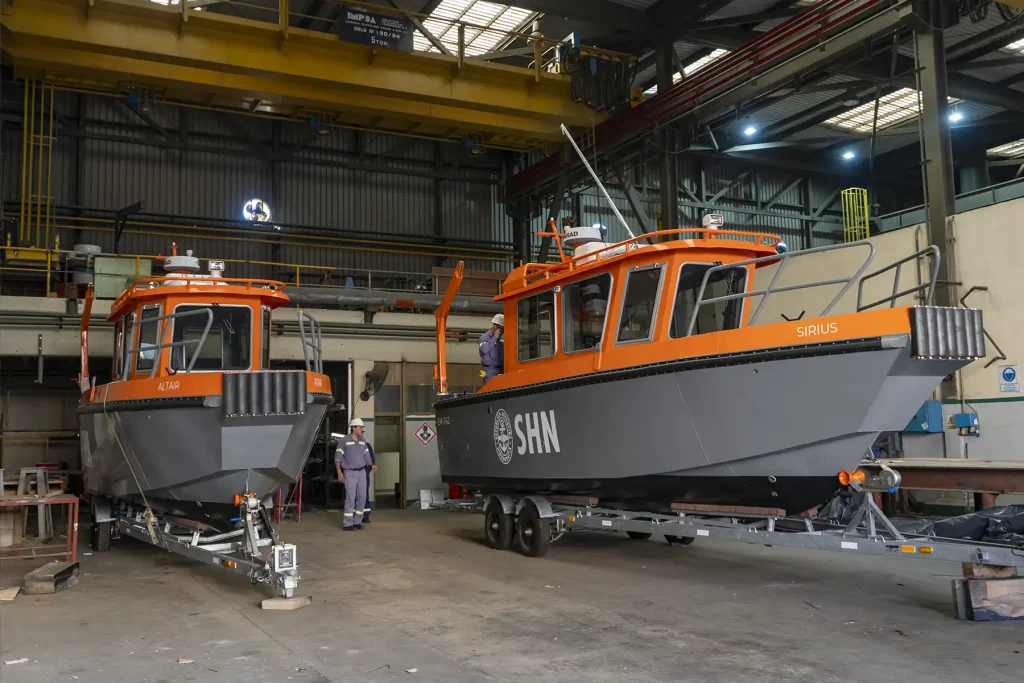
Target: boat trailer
{"type": "Point", "coordinates": [531, 522]}
{"type": "Point", "coordinates": [252, 549]}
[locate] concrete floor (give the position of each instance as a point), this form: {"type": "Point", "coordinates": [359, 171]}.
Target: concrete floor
{"type": "Point", "coordinates": [420, 590]}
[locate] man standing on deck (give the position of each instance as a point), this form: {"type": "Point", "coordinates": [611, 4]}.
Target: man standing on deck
{"type": "Point", "coordinates": [492, 348]}
{"type": "Point", "coordinates": [351, 461]}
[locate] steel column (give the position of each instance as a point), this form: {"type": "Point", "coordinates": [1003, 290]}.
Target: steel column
{"type": "Point", "coordinates": [938, 156]}
{"type": "Point", "coordinates": [667, 180]}
{"type": "Point", "coordinates": [632, 197]}
{"type": "Point", "coordinates": [973, 169]}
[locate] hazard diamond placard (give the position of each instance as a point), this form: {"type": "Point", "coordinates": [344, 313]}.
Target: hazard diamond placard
{"type": "Point", "coordinates": [425, 433]}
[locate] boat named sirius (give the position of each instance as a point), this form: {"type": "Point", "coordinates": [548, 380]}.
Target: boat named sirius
{"type": "Point", "coordinates": [648, 368]}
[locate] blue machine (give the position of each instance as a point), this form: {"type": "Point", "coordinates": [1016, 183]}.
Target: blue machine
{"type": "Point", "coordinates": [927, 420]}
{"type": "Point", "coordinates": [965, 423]}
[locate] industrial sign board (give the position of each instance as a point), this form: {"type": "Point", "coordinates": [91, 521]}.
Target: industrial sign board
{"type": "Point", "coordinates": [1009, 379]}
{"type": "Point", "coordinates": [376, 30]}
{"type": "Point", "coordinates": [425, 434]}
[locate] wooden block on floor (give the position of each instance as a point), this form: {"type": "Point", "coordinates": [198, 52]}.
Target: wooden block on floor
{"type": "Point", "coordinates": [51, 578]}
{"type": "Point", "coordinates": [288, 604]}
{"type": "Point", "coordinates": [989, 599]}
{"type": "Point", "coordinates": [8, 594]}
{"type": "Point", "coordinates": [985, 571]}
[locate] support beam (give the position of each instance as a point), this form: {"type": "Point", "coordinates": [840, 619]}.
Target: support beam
{"type": "Point", "coordinates": [600, 12]}
{"type": "Point", "coordinates": [667, 180]}
{"type": "Point", "coordinates": [938, 158]}
{"type": "Point", "coordinates": [778, 195]}
{"type": "Point", "coordinates": [424, 30]}
{"type": "Point", "coordinates": [634, 200]}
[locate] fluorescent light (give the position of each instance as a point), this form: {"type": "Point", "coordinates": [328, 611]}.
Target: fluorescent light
{"type": "Point", "coordinates": [749, 130]}
{"type": "Point", "coordinates": [956, 116]}
{"type": "Point", "coordinates": [849, 154]}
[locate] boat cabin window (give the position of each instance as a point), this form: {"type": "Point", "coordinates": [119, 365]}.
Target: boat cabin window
{"type": "Point", "coordinates": [149, 330]}
{"type": "Point", "coordinates": [640, 304]}
{"type": "Point", "coordinates": [228, 345]}
{"type": "Point", "coordinates": [127, 331]}
{"type": "Point", "coordinates": [584, 307]}
{"type": "Point", "coordinates": [723, 315]}
{"type": "Point", "coordinates": [265, 359]}
{"type": "Point", "coordinates": [536, 326]}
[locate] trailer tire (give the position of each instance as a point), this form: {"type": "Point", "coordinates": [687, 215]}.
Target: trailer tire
{"type": "Point", "coordinates": [101, 536]}
{"type": "Point", "coordinates": [498, 526]}
{"type": "Point", "coordinates": [533, 532]}
{"type": "Point", "coordinates": [639, 535]}
{"type": "Point", "coordinates": [680, 540]}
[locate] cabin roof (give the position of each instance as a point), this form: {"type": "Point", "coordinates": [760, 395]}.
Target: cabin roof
{"type": "Point", "coordinates": [530, 277]}
{"type": "Point", "coordinates": [202, 289]}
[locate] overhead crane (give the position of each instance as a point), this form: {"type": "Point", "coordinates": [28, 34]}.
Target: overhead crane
{"type": "Point", "coordinates": [183, 55]}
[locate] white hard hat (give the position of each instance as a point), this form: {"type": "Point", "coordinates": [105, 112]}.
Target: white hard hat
{"type": "Point", "coordinates": [355, 422]}
{"type": "Point", "coordinates": [499, 319]}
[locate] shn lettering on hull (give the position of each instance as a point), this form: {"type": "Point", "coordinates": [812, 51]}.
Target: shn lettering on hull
{"type": "Point", "coordinates": [525, 433]}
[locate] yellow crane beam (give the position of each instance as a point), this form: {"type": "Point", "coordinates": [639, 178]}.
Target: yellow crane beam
{"type": "Point", "coordinates": [268, 67]}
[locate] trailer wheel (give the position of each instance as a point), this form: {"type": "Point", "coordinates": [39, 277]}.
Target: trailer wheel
{"type": "Point", "coordinates": [679, 540]}
{"type": "Point", "coordinates": [498, 526]}
{"type": "Point", "coordinates": [639, 535]}
{"type": "Point", "coordinates": [101, 536]}
{"type": "Point", "coordinates": [533, 533]}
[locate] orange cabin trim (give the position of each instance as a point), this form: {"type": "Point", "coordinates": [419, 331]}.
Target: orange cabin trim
{"type": "Point", "coordinates": [866, 324]}
{"type": "Point", "coordinates": [713, 247]}
{"type": "Point", "coordinates": [168, 293]}
{"type": "Point", "coordinates": [184, 385]}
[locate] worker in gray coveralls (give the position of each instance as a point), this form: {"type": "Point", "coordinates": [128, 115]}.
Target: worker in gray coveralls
{"type": "Point", "coordinates": [351, 460]}
{"type": "Point", "coordinates": [492, 348]}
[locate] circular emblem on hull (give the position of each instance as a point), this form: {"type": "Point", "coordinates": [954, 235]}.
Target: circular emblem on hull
{"type": "Point", "coordinates": [503, 436]}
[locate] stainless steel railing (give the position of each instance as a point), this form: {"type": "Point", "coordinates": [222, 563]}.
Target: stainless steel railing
{"type": "Point", "coordinates": [773, 286]}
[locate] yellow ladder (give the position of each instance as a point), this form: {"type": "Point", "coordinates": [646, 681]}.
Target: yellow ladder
{"type": "Point", "coordinates": [36, 219]}
{"type": "Point", "coordinates": [855, 214]}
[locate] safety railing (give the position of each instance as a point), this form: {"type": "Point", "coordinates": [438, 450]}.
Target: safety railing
{"type": "Point", "coordinates": [926, 286]}
{"type": "Point", "coordinates": [162, 331]}
{"type": "Point", "coordinates": [773, 286]}
{"type": "Point", "coordinates": [406, 30]}
{"type": "Point", "coordinates": [538, 272]}
{"type": "Point", "coordinates": [312, 342]}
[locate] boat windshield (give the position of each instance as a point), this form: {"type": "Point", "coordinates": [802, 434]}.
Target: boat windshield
{"type": "Point", "coordinates": [228, 345]}
{"type": "Point", "coordinates": [723, 315]}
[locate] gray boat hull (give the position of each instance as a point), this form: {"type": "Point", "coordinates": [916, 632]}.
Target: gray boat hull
{"type": "Point", "coordinates": [766, 429]}
{"type": "Point", "coordinates": [191, 459]}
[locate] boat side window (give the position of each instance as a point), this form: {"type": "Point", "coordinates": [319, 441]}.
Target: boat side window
{"type": "Point", "coordinates": [115, 358]}
{"type": "Point", "coordinates": [640, 304]}
{"type": "Point", "coordinates": [722, 315]}
{"type": "Point", "coordinates": [265, 364]}
{"type": "Point", "coordinates": [536, 326]}
{"type": "Point", "coordinates": [584, 308]}
{"type": "Point", "coordinates": [149, 330]}
{"type": "Point", "coordinates": [124, 349]}
{"type": "Point", "coordinates": [228, 345]}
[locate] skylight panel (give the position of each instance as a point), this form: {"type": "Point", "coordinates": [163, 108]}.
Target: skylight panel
{"type": "Point", "coordinates": [494, 25]}
{"type": "Point", "coordinates": [1009, 150]}
{"type": "Point", "coordinates": [692, 68]}
{"type": "Point", "coordinates": [896, 107]}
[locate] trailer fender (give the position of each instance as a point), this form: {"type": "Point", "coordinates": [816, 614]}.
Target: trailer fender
{"type": "Point", "coordinates": [507, 504]}
{"type": "Point", "coordinates": [539, 502]}
{"type": "Point", "coordinates": [101, 510]}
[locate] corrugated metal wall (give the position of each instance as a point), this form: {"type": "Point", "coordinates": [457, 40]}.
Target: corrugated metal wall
{"type": "Point", "coordinates": [343, 201]}
{"type": "Point", "coordinates": [392, 199]}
